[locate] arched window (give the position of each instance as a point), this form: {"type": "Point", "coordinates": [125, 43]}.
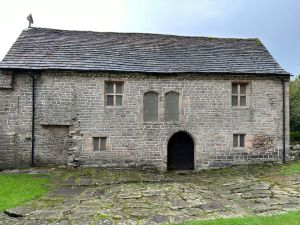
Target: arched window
{"type": "Point", "coordinates": [150, 106]}
{"type": "Point", "coordinates": [172, 106]}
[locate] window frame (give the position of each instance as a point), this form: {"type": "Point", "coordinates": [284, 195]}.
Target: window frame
{"type": "Point", "coordinates": [113, 93]}
{"type": "Point", "coordinates": [239, 135]}
{"type": "Point", "coordinates": [100, 145]}
{"type": "Point", "coordinates": [157, 110]}
{"type": "Point", "coordinates": [177, 94]}
{"type": "Point", "coordinates": [238, 94]}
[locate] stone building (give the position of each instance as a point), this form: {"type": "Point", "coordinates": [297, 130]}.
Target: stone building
{"type": "Point", "coordinates": [81, 98]}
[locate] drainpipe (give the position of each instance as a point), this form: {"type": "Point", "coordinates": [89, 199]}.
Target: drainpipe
{"type": "Point", "coordinates": [33, 120]}
{"type": "Point", "coordinates": [283, 121]}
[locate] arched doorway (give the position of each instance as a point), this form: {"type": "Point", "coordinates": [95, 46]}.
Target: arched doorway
{"type": "Point", "coordinates": [181, 152]}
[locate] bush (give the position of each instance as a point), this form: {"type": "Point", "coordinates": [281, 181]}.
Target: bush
{"type": "Point", "coordinates": [295, 136]}
{"type": "Point", "coordinates": [295, 104]}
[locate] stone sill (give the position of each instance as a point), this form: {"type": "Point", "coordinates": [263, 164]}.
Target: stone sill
{"type": "Point", "coordinates": [49, 123]}
{"type": "Point", "coordinates": [161, 123]}
{"type": "Point", "coordinates": [114, 107]}
{"type": "Point", "coordinates": [240, 107]}
{"type": "Point", "coordinates": [239, 148]}
{"type": "Point", "coordinates": [5, 87]}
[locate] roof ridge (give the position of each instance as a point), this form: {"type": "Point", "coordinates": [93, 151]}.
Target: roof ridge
{"type": "Point", "coordinates": [142, 33]}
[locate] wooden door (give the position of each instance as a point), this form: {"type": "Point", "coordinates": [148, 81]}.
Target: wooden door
{"type": "Point", "coordinates": [181, 152]}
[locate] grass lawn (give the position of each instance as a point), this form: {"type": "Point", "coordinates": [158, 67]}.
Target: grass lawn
{"type": "Point", "coordinates": [290, 218]}
{"type": "Point", "coordinates": [291, 168]}
{"type": "Point", "coordinates": [18, 188]}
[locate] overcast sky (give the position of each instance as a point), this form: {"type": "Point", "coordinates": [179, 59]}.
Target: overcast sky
{"type": "Point", "coordinates": [275, 22]}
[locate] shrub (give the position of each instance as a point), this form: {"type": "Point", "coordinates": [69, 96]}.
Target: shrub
{"type": "Point", "coordinates": [295, 136]}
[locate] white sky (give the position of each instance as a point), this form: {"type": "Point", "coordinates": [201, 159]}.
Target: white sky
{"type": "Point", "coordinates": [275, 22]}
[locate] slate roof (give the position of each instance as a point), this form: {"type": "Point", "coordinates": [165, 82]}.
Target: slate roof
{"type": "Point", "coordinates": [42, 49]}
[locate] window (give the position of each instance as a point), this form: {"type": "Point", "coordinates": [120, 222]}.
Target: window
{"type": "Point", "coordinates": [150, 104]}
{"type": "Point", "coordinates": [238, 94]}
{"type": "Point", "coordinates": [113, 93]}
{"type": "Point", "coordinates": [172, 106]}
{"type": "Point", "coordinates": [239, 140]}
{"type": "Point", "coordinates": [99, 143]}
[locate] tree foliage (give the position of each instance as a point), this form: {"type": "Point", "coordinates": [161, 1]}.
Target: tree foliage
{"type": "Point", "coordinates": [295, 104]}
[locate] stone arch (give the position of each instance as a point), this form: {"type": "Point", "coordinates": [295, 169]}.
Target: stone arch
{"type": "Point", "coordinates": [181, 151]}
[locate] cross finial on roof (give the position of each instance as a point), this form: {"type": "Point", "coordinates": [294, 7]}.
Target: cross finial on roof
{"type": "Point", "coordinates": [30, 19]}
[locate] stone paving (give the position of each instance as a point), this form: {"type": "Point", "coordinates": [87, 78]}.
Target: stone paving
{"type": "Point", "coordinates": [107, 197]}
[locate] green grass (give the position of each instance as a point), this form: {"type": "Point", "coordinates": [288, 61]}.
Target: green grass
{"type": "Point", "coordinates": [290, 218]}
{"type": "Point", "coordinates": [291, 168]}
{"type": "Point", "coordinates": [18, 188]}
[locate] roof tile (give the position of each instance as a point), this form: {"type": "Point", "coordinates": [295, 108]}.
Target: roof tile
{"type": "Point", "coordinates": [42, 49]}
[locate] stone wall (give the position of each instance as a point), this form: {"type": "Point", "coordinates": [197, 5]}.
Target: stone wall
{"type": "Point", "coordinates": [294, 152]}
{"type": "Point", "coordinates": [15, 121]}
{"type": "Point", "coordinates": [6, 81]}
{"type": "Point", "coordinates": [74, 102]}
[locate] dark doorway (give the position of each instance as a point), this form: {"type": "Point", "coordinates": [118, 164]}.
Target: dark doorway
{"type": "Point", "coordinates": [181, 152]}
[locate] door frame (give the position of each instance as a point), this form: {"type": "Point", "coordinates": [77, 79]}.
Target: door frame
{"type": "Point", "coordinates": [165, 157]}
